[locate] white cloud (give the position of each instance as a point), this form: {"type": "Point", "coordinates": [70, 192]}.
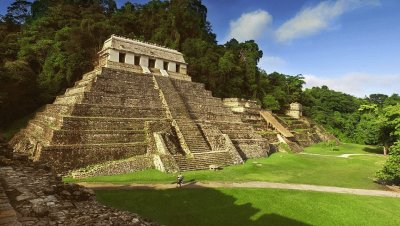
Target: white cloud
{"type": "Point", "coordinates": [357, 84]}
{"type": "Point", "coordinates": [312, 20]}
{"type": "Point", "coordinates": [272, 63]}
{"type": "Point", "coordinates": [250, 25]}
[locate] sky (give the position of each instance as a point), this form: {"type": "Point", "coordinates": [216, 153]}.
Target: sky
{"type": "Point", "coordinates": [349, 45]}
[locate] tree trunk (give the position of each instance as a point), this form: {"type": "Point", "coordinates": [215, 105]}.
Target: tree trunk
{"type": "Point", "coordinates": [385, 150]}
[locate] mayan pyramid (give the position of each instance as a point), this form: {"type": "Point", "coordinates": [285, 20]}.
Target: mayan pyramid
{"type": "Point", "coordinates": [138, 109]}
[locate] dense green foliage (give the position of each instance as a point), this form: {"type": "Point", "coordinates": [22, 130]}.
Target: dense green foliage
{"type": "Point", "coordinates": [353, 172]}
{"type": "Point", "coordinates": [47, 45]}
{"type": "Point", "coordinates": [390, 174]}
{"type": "Point", "coordinates": [371, 120]}
{"type": "Point", "coordinates": [264, 207]}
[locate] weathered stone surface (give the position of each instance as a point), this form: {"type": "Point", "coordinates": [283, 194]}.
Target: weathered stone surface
{"type": "Point", "coordinates": [303, 132]}
{"type": "Point", "coordinates": [31, 195]}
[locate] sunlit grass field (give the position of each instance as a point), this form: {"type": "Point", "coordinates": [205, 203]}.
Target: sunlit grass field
{"type": "Point", "coordinates": [245, 207]}
{"type": "Point", "coordinates": [352, 172]}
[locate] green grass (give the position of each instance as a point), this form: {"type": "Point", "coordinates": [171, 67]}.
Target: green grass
{"type": "Point", "coordinates": [344, 148]}
{"type": "Point", "coordinates": [176, 207]}
{"type": "Point", "coordinates": [355, 172]}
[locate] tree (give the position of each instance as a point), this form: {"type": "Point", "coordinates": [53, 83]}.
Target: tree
{"type": "Point", "coordinates": [19, 11]}
{"type": "Point", "coordinates": [337, 111]}
{"type": "Point", "coordinates": [390, 126]}
{"type": "Point", "coordinates": [390, 173]}
{"type": "Point", "coordinates": [378, 99]}
{"type": "Point", "coordinates": [270, 103]}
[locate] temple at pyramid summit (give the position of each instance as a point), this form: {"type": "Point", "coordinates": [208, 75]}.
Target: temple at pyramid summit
{"type": "Point", "coordinates": [139, 109]}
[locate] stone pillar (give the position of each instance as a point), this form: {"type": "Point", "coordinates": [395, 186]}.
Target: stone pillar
{"type": "Point", "coordinates": [159, 64]}
{"type": "Point", "coordinates": [183, 69]}
{"type": "Point", "coordinates": [114, 55]}
{"type": "Point", "coordinates": [144, 61]}
{"type": "Point", "coordinates": [130, 58]}
{"type": "Point", "coordinates": [172, 66]}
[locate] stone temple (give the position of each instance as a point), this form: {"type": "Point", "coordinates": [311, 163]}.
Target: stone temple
{"type": "Point", "coordinates": [139, 109]}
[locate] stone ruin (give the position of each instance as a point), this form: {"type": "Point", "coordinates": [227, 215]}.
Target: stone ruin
{"type": "Point", "coordinates": [296, 132]}
{"type": "Point", "coordinates": [139, 109]}
{"type": "Point", "coordinates": [295, 110]}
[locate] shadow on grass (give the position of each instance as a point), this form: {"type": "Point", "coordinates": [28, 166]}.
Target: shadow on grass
{"type": "Point", "coordinates": [199, 206]}
{"type": "Point", "coordinates": [375, 150]}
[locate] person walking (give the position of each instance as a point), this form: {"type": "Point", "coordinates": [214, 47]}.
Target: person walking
{"type": "Point", "coordinates": [180, 180]}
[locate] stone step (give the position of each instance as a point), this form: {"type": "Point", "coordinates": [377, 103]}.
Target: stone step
{"type": "Point", "coordinates": [66, 157]}
{"type": "Point", "coordinates": [207, 104]}
{"type": "Point", "coordinates": [188, 127]}
{"type": "Point", "coordinates": [206, 107]}
{"type": "Point", "coordinates": [124, 76]}
{"type": "Point", "coordinates": [77, 90]}
{"type": "Point", "coordinates": [49, 119]}
{"type": "Point", "coordinates": [129, 90]}
{"type": "Point", "coordinates": [39, 131]}
{"type": "Point", "coordinates": [199, 150]}
{"type": "Point", "coordinates": [188, 84]}
{"type": "Point", "coordinates": [117, 111]}
{"type": "Point", "coordinates": [90, 75]}
{"type": "Point", "coordinates": [131, 81]}
{"type": "Point", "coordinates": [211, 117]}
{"type": "Point", "coordinates": [84, 82]}
{"type": "Point", "coordinates": [199, 141]}
{"type": "Point", "coordinates": [148, 100]}
{"type": "Point", "coordinates": [197, 144]}
{"type": "Point", "coordinates": [203, 160]}
{"type": "Point", "coordinates": [243, 135]}
{"type": "Point", "coordinates": [194, 92]}
{"type": "Point", "coordinates": [57, 109]}
{"type": "Point", "coordinates": [206, 99]}
{"type": "Point", "coordinates": [104, 123]}
{"type": "Point", "coordinates": [215, 111]}
{"type": "Point", "coordinates": [194, 134]}
{"type": "Point", "coordinates": [234, 126]}
{"type": "Point", "coordinates": [69, 99]}
{"type": "Point", "coordinates": [64, 137]}
{"type": "Point", "coordinates": [137, 83]}
{"type": "Point", "coordinates": [249, 141]}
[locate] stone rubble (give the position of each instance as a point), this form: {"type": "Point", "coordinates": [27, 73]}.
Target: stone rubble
{"type": "Point", "coordinates": [30, 194]}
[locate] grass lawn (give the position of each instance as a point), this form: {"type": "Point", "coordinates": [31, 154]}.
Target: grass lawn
{"type": "Point", "coordinates": [344, 148]}
{"type": "Point", "coordinates": [254, 207]}
{"type": "Point", "coordinates": [354, 172]}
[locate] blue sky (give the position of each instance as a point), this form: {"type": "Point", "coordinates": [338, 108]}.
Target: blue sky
{"type": "Point", "coordinates": [350, 45]}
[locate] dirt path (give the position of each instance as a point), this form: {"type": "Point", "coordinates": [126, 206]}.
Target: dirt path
{"type": "Point", "coordinates": [251, 184]}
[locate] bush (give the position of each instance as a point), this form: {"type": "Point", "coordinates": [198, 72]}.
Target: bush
{"type": "Point", "coordinates": [390, 174]}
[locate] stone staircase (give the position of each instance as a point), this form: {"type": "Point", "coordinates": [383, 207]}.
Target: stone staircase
{"type": "Point", "coordinates": [203, 160]}
{"type": "Point", "coordinates": [193, 136]}
{"type": "Point", "coordinates": [201, 154]}
{"type": "Point", "coordinates": [211, 111]}
{"type": "Point", "coordinates": [102, 118]}
{"type": "Point", "coordinates": [303, 131]}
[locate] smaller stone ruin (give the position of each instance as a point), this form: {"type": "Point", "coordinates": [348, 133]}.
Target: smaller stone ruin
{"type": "Point", "coordinates": [295, 110]}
